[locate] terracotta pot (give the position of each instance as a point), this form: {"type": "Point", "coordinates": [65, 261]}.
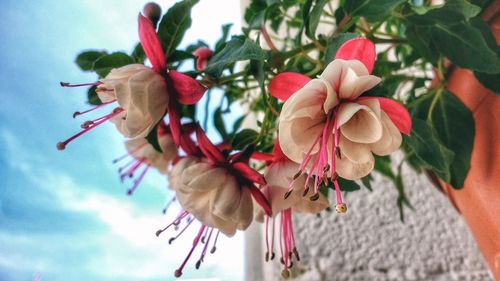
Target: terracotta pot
{"type": "Point", "coordinates": [479, 199]}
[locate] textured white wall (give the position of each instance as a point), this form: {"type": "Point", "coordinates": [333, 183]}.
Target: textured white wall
{"type": "Point", "coordinates": [370, 242]}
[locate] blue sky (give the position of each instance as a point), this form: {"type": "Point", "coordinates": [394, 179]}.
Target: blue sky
{"type": "Point", "coordinates": [64, 215]}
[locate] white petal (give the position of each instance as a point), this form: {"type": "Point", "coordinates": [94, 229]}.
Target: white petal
{"type": "Point", "coordinates": [352, 85]}
{"type": "Point", "coordinates": [298, 136]}
{"type": "Point", "coordinates": [332, 98]}
{"type": "Point", "coordinates": [312, 207]}
{"type": "Point", "coordinates": [225, 198]}
{"type": "Point", "coordinates": [168, 147]}
{"type": "Point", "coordinates": [351, 170]}
{"type": "Point", "coordinates": [305, 102]}
{"type": "Point", "coordinates": [203, 177]}
{"type": "Point", "coordinates": [336, 70]}
{"type": "Point", "coordinates": [356, 152]}
{"type": "Point", "coordinates": [244, 215]}
{"type": "Point", "coordinates": [281, 173]}
{"type": "Point", "coordinates": [359, 123]}
{"type": "Point", "coordinates": [391, 138]}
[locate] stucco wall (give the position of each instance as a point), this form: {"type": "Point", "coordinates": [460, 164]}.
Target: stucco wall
{"type": "Point", "coordinates": [369, 242]}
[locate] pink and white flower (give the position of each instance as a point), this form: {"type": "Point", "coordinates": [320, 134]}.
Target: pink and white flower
{"type": "Point", "coordinates": [279, 174]}
{"type": "Point", "coordinates": [143, 94]}
{"type": "Point", "coordinates": [327, 127]}
{"type": "Point", "coordinates": [140, 92]}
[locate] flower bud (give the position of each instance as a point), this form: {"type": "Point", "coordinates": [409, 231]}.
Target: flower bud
{"type": "Point", "coordinates": [152, 11]}
{"type": "Point", "coordinates": [202, 55]}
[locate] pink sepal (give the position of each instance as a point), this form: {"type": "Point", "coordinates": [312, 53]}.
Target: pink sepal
{"type": "Point", "coordinates": [248, 173]}
{"type": "Point", "coordinates": [187, 89]}
{"type": "Point", "coordinates": [396, 112]}
{"type": "Point", "coordinates": [207, 147]}
{"type": "Point", "coordinates": [151, 44]}
{"type": "Point", "coordinates": [260, 199]}
{"type": "Point", "coordinates": [360, 49]}
{"type": "Point", "coordinates": [285, 84]}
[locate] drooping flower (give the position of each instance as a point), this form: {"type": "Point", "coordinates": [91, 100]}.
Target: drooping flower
{"type": "Point", "coordinates": [202, 54]}
{"type": "Point", "coordinates": [328, 128]}
{"type": "Point", "coordinates": [215, 189]}
{"type": "Point", "coordinates": [144, 156]}
{"type": "Point", "coordinates": [280, 174]}
{"type": "Point", "coordinates": [142, 94]}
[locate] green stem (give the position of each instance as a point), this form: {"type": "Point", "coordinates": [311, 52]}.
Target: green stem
{"type": "Point", "coordinates": [437, 96]}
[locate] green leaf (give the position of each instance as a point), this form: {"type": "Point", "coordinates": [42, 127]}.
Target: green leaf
{"type": "Point", "coordinates": [418, 38]}
{"type": "Point", "coordinates": [372, 10]}
{"type": "Point", "coordinates": [367, 182]}
{"type": "Point", "coordinates": [383, 166]}
{"type": "Point", "coordinates": [225, 33]}
{"type": "Point", "coordinates": [490, 81]}
{"type": "Point", "coordinates": [348, 185]}
{"type": "Point", "coordinates": [174, 24]}
{"type": "Point", "coordinates": [244, 138]}
{"type": "Point", "coordinates": [105, 63]}
{"type": "Point", "coordinates": [179, 55]}
{"type": "Point", "coordinates": [452, 12]}
{"type": "Point", "coordinates": [429, 149]}
{"type": "Point", "coordinates": [138, 54]}
{"type": "Point", "coordinates": [152, 138]}
{"type": "Point", "coordinates": [219, 123]}
{"type": "Point", "coordinates": [335, 43]}
{"type": "Point", "coordinates": [237, 49]}
{"type": "Point", "coordinates": [255, 14]}
{"type": "Point", "coordinates": [464, 45]}
{"type": "Point", "coordinates": [305, 11]}
{"type": "Point", "coordinates": [87, 59]}
{"type": "Point", "coordinates": [454, 125]}
{"type": "Point", "coordinates": [92, 97]}
{"type": "Point", "coordinates": [314, 17]}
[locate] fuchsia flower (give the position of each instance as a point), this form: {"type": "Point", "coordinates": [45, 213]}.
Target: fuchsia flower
{"type": "Point", "coordinates": [145, 156]}
{"type": "Point", "coordinates": [143, 94]}
{"type": "Point", "coordinates": [279, 173]}
{"type": "Point", "coordinates": [328, 128]}
{"type": "Point", "coordinates": [140, 92]}
{"type": "Point", "coordinates": [215, 189]}
{"type": "Point", "coordinates": [202, 54]}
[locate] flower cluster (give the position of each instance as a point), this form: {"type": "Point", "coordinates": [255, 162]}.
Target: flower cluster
{"type": "Point", "coordinates": [327, 129]}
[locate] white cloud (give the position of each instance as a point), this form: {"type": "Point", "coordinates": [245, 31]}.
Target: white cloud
{"type": "Point", "coordinates": [129, 247]}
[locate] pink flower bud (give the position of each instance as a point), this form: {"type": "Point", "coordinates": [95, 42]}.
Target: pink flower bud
{"type": "Point", "coordinates": [152, 11]}
{"type": "Point", "coordinates": [202, 54]}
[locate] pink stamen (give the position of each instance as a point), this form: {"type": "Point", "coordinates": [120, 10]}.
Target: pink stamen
{"type": "Point", "coordinates": [62, 145]}
{"type": "Point", "coordinates": [267, 238]}
{"type": "Point", "coordinates": [68, 85]}
{"type": "Point", "coordinates": [172, 239]}
{"type": "Point", "coordinates": [165, 209]}
{"type": "Point", "coordinates": [178, 272]}
{"type": "Point", "coordinates": [272, 240]}
{"type": "Point", "coordinates": [214, 248]}
{"type": "Point", "coordinates": [138, 180]}
{"type": "Point", "coordinates": [78, 113]}
{"type": "Point", "coordinates": [120, 169]}
{"type": "Point", "coordinates": [182, 215]}
{"type": "Point", "coordinates": [203, 253]}
{"type": "Point", "coordinates": [131, 170]}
